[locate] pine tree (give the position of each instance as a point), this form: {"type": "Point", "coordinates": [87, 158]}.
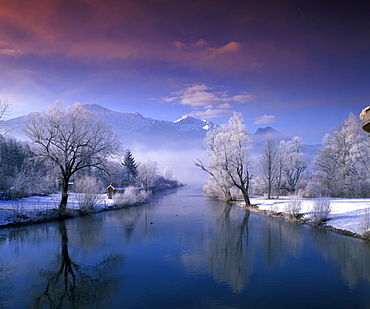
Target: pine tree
{"type": "Point", "coordinates": [131, 166]}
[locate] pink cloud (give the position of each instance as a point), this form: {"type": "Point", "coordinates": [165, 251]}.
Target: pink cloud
{"type": "Point", "coordinates": [210, 113]}
{"type": "Point", "coordinates": [206, 101]}
{"type": "Point", "coordinates": [232, 47]}
{"type": "Point", "coordinates": [266, 119]}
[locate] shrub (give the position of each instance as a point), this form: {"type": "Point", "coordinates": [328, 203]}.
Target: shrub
{"type": "Point", "coordinates": [88, 193]}
{"type": "Point", "coordinates": [18, 213]}
{"type": "Point", "coordinates": [364, 227]}
{"type": "Point", "coordinates": [320, 211]}
{"type": "Point", "coordinates": [131, 196]}
{"type": "Point", "coordinates": [294, 207]}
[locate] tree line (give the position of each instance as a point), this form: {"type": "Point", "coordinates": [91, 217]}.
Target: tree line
{"type": "Point", "coordinates": [340, 168]}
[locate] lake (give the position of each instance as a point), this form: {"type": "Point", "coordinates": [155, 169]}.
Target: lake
{"type": "Point", "coordinates": [181, 250]}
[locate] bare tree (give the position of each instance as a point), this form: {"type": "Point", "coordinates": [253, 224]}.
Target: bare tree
{"type": "Point", "coordinates": [228, 148]}
{"type": "Point", "coordinates": [71, 139]}
{"type": "Point", "coordinates": [270, 164]}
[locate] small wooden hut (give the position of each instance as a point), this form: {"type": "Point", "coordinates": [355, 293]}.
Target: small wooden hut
{"type": "Point", "coordinates": [120, 188]}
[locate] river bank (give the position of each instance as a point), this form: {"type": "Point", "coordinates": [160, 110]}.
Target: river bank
{"type": "Point", "coordinates": [347, 216]}
{"type": "Point", "coordinates": [38, 209]}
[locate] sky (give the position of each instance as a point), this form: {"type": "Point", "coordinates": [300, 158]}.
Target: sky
{"type": "Point", "coordinates": [299, 66]}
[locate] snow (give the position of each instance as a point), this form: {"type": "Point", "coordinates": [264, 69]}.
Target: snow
{"type": "Point", "coordinates": [345, 214]}
{"type": "Point", "coordinates": [31, 205]}
{"type": "Point", "coordinates": [180, 119]}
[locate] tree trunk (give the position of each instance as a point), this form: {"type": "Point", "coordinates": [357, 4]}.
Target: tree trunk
{"type": "Point", "coordinates": [64, 199]}
{"type": "Point", "coordinates": [246, 198]}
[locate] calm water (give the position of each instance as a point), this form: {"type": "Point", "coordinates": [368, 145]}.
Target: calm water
{"type": "Point", "coordinates": [182, 250]}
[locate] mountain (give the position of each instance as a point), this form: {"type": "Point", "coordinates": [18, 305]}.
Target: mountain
{"type": "Point", "coordinates": [260, 135]}
{"type": "Point", "coordinates": [135, 129]}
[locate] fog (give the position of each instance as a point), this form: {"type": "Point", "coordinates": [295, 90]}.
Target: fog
{"type": "Point", "coordinates": [181, 162]}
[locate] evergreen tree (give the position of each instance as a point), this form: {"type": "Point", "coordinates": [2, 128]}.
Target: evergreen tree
{"type": "Point", "coordinates": [131, 166]}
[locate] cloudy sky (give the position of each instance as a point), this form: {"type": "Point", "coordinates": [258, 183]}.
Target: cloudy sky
{"type": "Point", "coordinates": [300, 66]}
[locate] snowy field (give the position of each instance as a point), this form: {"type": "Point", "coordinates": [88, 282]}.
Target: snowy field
{"type": "Point", "coordinates": [346, 214]}
{"type": "Point", "coordinates": [30, 206]}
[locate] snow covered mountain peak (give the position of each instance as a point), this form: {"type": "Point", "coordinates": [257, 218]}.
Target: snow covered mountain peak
{"type": "Point", "coordinates": [180, 119]}
{"type": "Point", "coordinates": [187, 123]}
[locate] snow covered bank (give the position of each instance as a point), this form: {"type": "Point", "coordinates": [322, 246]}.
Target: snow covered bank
{"type": "Point", "coordinates": [44, 208]}
{"type": "Point", "coordinates": [346, 214]}
{"type": "Point", "coordinates": [39, 208]}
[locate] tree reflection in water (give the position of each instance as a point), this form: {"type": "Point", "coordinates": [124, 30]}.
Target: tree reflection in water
{"type": "Point", "coordinates": [79, 286]}
{"type": "Point", "coordinates": [231, 251]}
{"type": "Point", "coordinates": [352, 259]}
{"type": "Point", "coordinates": [228, 253]}
{"type": "Point", "coordinates": [281, 240]}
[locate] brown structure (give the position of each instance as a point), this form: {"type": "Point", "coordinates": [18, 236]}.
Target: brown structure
{"type": "Point", "coordinates": [120, 188]}
{"type": "Point", "coordinates": [365, 117]}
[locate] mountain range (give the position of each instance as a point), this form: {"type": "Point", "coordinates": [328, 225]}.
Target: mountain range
{"type": "Point", "coordinates": [134, 129]}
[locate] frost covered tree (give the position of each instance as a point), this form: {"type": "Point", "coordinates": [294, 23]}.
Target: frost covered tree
{"type": "Point", "coordinates": [71, 139]}
{"type": "Point", "coordinates": [343, 162]}
{"type": "Point", "coordinates": [147, 174]}
{"type": "Point", "coordinates": [89, 193]}
{"type": "Point", "coordinates": [228, 149]}
{"type": "Point", "coordinates": [294, 162]}
{"type": "Point", "coordinates": [130, 165]}
{"type": "Point", "coordinates": [270, 165]}
{"type": "Point", "coordinates": [4, 106]}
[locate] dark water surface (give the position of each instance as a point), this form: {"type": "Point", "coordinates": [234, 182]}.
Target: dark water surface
{"type": "Point", "coordinates": [181, 250]}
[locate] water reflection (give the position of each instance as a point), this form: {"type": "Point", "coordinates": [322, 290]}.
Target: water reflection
{"type": "Point", "coordinates": [280, 241]}
{"type": "Point", "coordinates": [57, 276]}
{"type": "Point", "coordinates": [228, 253]}
{"type": "Point", "coordinates": [181, 251]}
{"type": "Point", "coordinates": [351, 256]}
{"type": "Point", "coordinates": [71, 285]}
{"type": "Point", "coordinates": [232, 247]}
